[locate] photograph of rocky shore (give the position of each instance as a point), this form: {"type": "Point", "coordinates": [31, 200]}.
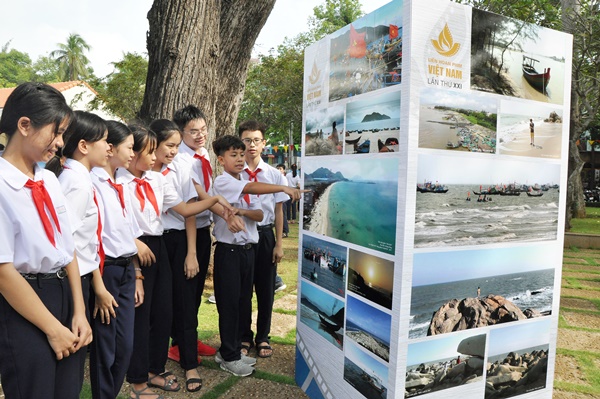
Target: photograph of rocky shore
{"type": "Point", "coordinates": [323, 313]}
{"type": "Point", "coordinates": [368, 327]}
{"type": "Point", "coordinates": [367, 375]}
{"type": "Point", "coordinates": [325, 264]}
{"type": "Point", "coordinates": [371, 277]}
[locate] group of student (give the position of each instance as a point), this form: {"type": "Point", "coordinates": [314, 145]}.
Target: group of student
{"type": "Point", "coordinates": [109, 246]}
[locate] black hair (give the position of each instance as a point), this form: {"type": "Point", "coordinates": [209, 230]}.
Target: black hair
{"type": "Point", "coordinates": [143, 138]}
{"type": "Point", "coordinates": [227, 142]}
{"type": "Point", "coordinates": [117, 132]}
{"type": "Point", "coordinates": [280, 165]}
{"type": "Point", "coordinates": [39, 102]}
{"type": "Point", "coordinates": [252, 125]}
{"type": "Point", "coordinates": [294, 169]}
{"type": "Point", "coordinates": [164, 129]}
{"type": "Point", "coordinates": [187, 114]}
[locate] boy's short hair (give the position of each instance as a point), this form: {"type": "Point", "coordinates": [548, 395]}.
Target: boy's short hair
{"type": "Point", "coordinates": [282, 166]}
{"type": "Point", "coordinates": [227, 142]}
{"type": "Point", "coordinates": [186, 114]}
{"type": "Point", "coordinates": [252, 125]}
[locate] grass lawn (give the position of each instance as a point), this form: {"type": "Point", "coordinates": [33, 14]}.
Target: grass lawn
{"type": "Point", "coordinates": [589, 225]}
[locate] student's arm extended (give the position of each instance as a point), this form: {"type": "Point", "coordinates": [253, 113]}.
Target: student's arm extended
{"type": "Point", "coordinates": [193, 208]}
{"type": "Point", "coordinates": [252, 214]}
{"type": "Point", "coordinates": [266, 188]}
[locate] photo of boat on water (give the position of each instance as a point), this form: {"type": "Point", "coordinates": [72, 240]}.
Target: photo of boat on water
{"type": "Point", "coordinates": [518, 59]}
{"type": "Point", "coordinates": [373, 124]}
{"type": "Point", "coordinates": [517, 359]}
{"type": "Point", "coordinates": [445, 363]}
{"type": "Point", "coordinates": [368, 327]}
{"type": "Point", "coordinates": [324, 263]}
{"type": "Point", "coordinates": [516, 121]}
{"type": "Point", "coordinates": [324, 131]}
{"type": "Point", "coordinates": [367, 375]}
{"type": "Point", "coordinates": [367, 54]}
{"type": "Point", "coordinates": [485, 200]}
{"type": "Point", "coordinates": [323, 313]}
{"type": "Point", "coordinates": [371, 277]}
{"type": "Point", "coordinates": [457, 120]}
{"type": "Point", "coordinates": [515, 281]}
{"type": "Point", "coordinates": [352, 200]}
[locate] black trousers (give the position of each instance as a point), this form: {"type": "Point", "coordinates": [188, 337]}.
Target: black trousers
{"type": "Point", "coordinates": [264, 285]}
{"type": "Point", "coordinates": [153, 318]}
{"type": "Point", "coordinates": [82, 354]}
{"type": "Point", "coordinates": [233, 291]}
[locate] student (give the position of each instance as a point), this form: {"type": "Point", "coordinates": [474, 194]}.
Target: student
{"type": "Point", "coordinates": [43, 318]}
{"type": "Point", "coordinates": [293, 181]}
{"type": "Point", "coordinates": [269, 250]}
{"type": "Point", "coordinates": [153, 196]}
{"type": "Point", "coordinates": [113, 320]}
{"type": "Point", "coordinates": [286, 229]}
{"type": "Point", "coordinates": [234, 253]}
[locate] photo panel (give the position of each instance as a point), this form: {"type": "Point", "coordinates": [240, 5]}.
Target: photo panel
{"type": "Point", "coordinates": [323, 313]}
{"type": "Point", "coordinates": [503, 285]}
{"type": "Point", "coordinates": [484, 200]}
{"type": "Point", "coordinates": [324, 263]}
{"type": "Point", "coordinates": [324, 131]}
{"type": "Point", "coordinates": [365, 373]}
{"type": "Point", "coordinates": [368, 327]}
{"type": "Point", "coordinates": [371, 277]}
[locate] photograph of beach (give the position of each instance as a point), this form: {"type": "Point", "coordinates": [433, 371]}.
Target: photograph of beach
{"type": "Point", "coordinates": [367, 54]}
{"type": "Point", "coordinates": [352, 200]}
{"type": "Point", "coordinates": [371, 277]}
{"type": "Point", "coordinates": [484, 200]}
{"type": "Point", "coordinates": [517, 59]}
{"type": "Point", "coordinates": [323, 313]}
{"type": "Point", "coordinates": [443, 363]}
{"type": "Point", "coordinates": [457, 120]}
{"type": "Point", "coordinates": [324, 263]}
{"type": "Point", "coordinates": [367, 375]}
{"type": "Point", "coordinates": [517, 360]}
{"type": "Point", "coordinates": [373, 124]}
{"type": "Point", "coordinates": [503, 285]}
{"type": "Point", "coordinates": [324, 133]}
{"type": "Point", "coordinates": [516, 122]}
{"type": "Point", "coordinates": [368, 327]}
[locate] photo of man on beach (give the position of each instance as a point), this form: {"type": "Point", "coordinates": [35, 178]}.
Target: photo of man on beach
{"type": "Point", "coordinates": [324, 131]}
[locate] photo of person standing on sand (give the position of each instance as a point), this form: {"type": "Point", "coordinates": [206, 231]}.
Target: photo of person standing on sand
{"type": "Point", "coordinates": [531, 131]}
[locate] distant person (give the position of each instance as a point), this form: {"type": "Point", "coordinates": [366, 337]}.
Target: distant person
{"type": "Point", "coordinates": [531, 130]}
{"type": "Point", "coordinates": [334, 135]}
{"type": "Point", "coordinates": [293, 181]}
{"type": "Point", "coordinates": [478, 292]}
{"type": "Point", "coordinates": [286, 228]}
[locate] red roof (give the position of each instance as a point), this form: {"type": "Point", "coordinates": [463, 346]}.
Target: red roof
{"type": "Point", "coordinates": [60, 86]}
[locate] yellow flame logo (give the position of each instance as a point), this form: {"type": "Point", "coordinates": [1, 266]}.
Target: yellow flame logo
{"type": "Point", "coordinates": [445, 45]}
{"type": "Point", "coordinates": [315, 74]}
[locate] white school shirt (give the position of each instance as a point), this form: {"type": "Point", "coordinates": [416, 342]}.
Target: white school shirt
{"type": "Point", "coordinates": [166, 197]}
{"type": "Point", "coordinates": [182, 182]}
{"type": "Point", "coordinates": [231, 189]}
{"type": "Point", "coordinates": [270, 175]}
{"type": "Point", "coordinates": [293, 181]}
{"type": "Point", "coordinates": [23, 240]}
{"type": "Point", "coordinates": [187, 164]}
{"type": "Point", "coordinates": [119, 228]}
{"type": "Point", "coordinates": [78, 189]}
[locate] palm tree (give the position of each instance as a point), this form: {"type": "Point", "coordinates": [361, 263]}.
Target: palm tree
{"type": "Point", "coordinates": [71, 59]}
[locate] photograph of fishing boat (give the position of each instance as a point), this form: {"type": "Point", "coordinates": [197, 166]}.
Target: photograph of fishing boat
{"type": "Point", "coordinates": [518, 59]}
{"type": "Point", "coordinates": [530, 129]}
{"type": "Point", "coordinates": [368, 327]}
{"type": "Point", "coordinates": [363, 372]}
{"type": "Point", "coordinates": [452, 362]}
{"type": "Point", "coordinates": [323, 313]}
{"type": "Point", "coordinates": [324, 131]}
{"type": "Point", "coordinates": [371, 277]}
{"type": "Point", "coordinates": [457, 120]}
{"type": "Point", "coordinates": [373, 124]}
{"type": "Point", "coordinates": [367, 54]}
{"type": "Point", "coordinates": [352, 200]}
{"type": "Point", "coordinates": [517, 360]}
{"type": "Point", "coordinates": [471, 214]}
{"type": "Point", "coordinates": [504, 285]}
{"type": "Point", "coordinates": [324, 263]}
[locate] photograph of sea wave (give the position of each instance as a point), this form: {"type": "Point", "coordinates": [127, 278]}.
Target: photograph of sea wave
{"type": "Point", "coordinates": [368, 327]}
{"type": "Point", "coordinates": [367, 375]}
{"type": "Point", "coordinates": [323, 313]}
{"type": "Point", "coordinates": [477, 288]}
{"type": "Point", "coordinates": [484, 201]}
{"type": "Point", "coordinates": [324, 263]}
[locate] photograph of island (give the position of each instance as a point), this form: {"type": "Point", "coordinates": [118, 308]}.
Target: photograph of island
{"type": "Point", "coordinates": [483, 200]}
{"type": "Point", "coordinates": [373, 124]}
{"type": "Point", "coordinates": [516, 58]}
{"type": "Point", "coordinates": [517, 360]}
{"type": "Point", "coordinates": [324, 133]}
{"type": "Point", "coordinates": [324, 263]}
{"type": "Point", "coordinates": [371, 277]}
{"type": "Point", "coordinates": [457, 120]}
{"type": "Point", "coordinates": [323, 313]}
{"type": "Point", "coordinates": [367, 54]}
{"type": "Point", "coordinates": [352, 200]}
{"type": "Point", "coordinates": [368, 376]}
{"type": "Point", "coordinates": [445, 363]}
{"type": "Point", "coordinates": [504, 285]}
{"type": "Point", "coordinates": [368, 327]}
{"type": "Point", "coordinates": [529, 129]}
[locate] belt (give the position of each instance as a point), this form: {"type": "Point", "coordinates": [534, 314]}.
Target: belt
{"type": "Point", "coordinates": [120, 261]}
{"type": "Point", "coordinates": [265, 227]}
{"type": "Point", "coordinates": [234, 246]}
{"type": "Point", "coordinates": [167, 231]}
{"type": "Point", "coordinates": [60, 274]}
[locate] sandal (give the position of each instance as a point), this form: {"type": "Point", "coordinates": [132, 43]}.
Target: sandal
{"type": "Point", "coordinates": [247, 347]}
{"type": "Point", "coordinates": [142, 392]}
{"type": "Point", "coordinates": [168, 383]}
{"type": "Point", "coordinates": [191, 381]}
{"type": "Point", "coordinates": [264, 346]}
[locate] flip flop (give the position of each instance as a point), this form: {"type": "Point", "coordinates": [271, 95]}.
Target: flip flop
{"type": "Point", "coordinates": [168, 385]}
{"type": "Point", "coordinates": [262, 347]}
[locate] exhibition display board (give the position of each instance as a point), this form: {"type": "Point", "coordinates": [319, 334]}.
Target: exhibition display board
{"type": "Point", "coordinates": [435, 142]}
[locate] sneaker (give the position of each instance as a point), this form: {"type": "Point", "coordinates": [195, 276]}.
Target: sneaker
{"type": "Point", "coordinates": [279, 284]}
{"type": "Point", "coordinates": [212, 299]}
{"type": "Point", "coordinates": [205, 350]}
{"type": "Point", "coordinates": [250, 361]}
{"type": "Point", "coordinates": [237, 368]}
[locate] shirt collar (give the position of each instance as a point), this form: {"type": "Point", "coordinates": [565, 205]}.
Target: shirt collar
{"type": "Point", "coordinates": [77, 166]}
{"type": "Point", "coordinates": [15, 178]}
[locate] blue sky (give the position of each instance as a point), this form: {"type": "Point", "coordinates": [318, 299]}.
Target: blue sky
{"type": "Point", "coordinates": [438, 348]}
{"type": "Point", "coordinates": [369, 319]}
